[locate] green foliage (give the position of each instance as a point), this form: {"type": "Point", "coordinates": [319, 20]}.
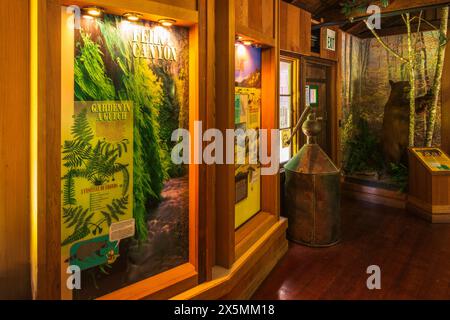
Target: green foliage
{"type": "Point", "coordinates": [362, 150]}
{"type": "Point", "coordinates": [91, 82]}
{"type": "Point", "coordinates": [140, 85]}
{"type": "Point", "coordinates": [399, 174]}
{"type": "Point", "coordinates": [78, 218]}
{"type": "Point", "coordinates": [115, 210]}
{"type": "Point", "coordinates": [78, 150]}
{"type": "Point", "coordinates": [121, 147]}
{"type": "Point", "coordinates": [350, 6]}
{"type": "Point", "coordinates": [101, 167]}
{"type": "Point", "coordinates": [78, 234]}
{"type": "Point", "coordinates": [69, 191]}
{"type": "Point", "coordinates": [75, 153]}
{"type": "Point", "coordinates": [169, 115]}
{"type": "Point", "coordinates": [81, 130]}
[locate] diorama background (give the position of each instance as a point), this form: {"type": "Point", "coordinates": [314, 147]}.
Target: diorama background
{"type": "Point", "coordinates": [366, 70]}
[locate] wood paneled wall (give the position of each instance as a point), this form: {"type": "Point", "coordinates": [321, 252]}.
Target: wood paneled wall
{"type": "Point", "coordinates": [295, 29]}
{"type": "Point", "coordinates": [324, 52]}
{"type": "Point", "coordinates": [255, 19]}
{"type": "Point", "coordinates": [187, 4]}
{"type": "Point", "coordinates": [14, 151]}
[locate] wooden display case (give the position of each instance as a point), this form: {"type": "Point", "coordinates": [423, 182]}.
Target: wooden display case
{"type": "Point", "coordinates": [48, 67]}
{"type": "Point", "coordinates": [220, 258]}
{"type": "Point", "coordinates": [429, 181]}
{"type": "Point", "coordinates": [233, 16]}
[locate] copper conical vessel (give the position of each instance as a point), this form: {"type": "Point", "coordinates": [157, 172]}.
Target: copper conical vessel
{"type": "Point", "coordinates": [312, 191]}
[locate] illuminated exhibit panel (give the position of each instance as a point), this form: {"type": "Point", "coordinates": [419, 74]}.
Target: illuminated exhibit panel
{"type": "Point", "coordinates": [247, 116]}
{"type": "Point", "coordinates": [125, 205]}
{"type": "Point", "coordinates": [434, 158]}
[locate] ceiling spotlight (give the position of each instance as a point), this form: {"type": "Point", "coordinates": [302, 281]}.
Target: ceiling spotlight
{"type": "Point", "coordinates": [132, 16]}
{"type": "Point", "coordinates": [93, 11]}
{"type": "Point", "coordinates": [167, 22]}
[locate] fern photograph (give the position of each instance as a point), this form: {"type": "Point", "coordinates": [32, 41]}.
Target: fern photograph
{"type": "Point", "coordinates": [116, 163]}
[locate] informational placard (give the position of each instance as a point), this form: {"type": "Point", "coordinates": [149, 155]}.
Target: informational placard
{"type": "Point", "coordinates": [97, 180]}
{"type": "Point", "coordinates": [434, 158]}
{"type": "Point", "coordinates": [307, 98]}
{"type": "Point", "coordinates": [313, 95]}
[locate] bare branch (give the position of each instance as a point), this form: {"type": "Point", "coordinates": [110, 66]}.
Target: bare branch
{"type": "Point", "coordinates": [384, 43]}
{"type": "Point", "coordinates": [425, 21]}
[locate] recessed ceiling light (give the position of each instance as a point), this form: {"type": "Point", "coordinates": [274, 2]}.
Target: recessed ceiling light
{"type": "Point", "coordinates": [132, 16]}
{"type": "Point", "coordinates": [93, 11]}
{"type": "Point", "coordinates": [167, 22]}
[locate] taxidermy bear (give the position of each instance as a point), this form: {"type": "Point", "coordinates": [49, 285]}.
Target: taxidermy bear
{"type": "Point", "coordinates": [396, 121]}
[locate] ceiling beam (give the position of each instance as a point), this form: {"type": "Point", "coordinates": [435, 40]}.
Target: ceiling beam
{"type": "Point", "coordinates": [399, 29]}
{"type": "Point", "coordinates": [395, 6]}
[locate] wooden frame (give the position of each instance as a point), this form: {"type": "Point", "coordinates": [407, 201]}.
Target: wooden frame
{"type": "Point", "coordinates": [47, 67]}
{"type": "Point", "coordinates": [297, 95]}
{"type": "Point", "coordinates": [231, 243]}
{"type": "Point", "coordinates": [333, 97]}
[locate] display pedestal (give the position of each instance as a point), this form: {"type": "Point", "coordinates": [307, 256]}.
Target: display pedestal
{"type": "Point", "coordinates": [429, 184]}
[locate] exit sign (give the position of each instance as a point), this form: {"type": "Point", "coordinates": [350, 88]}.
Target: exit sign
{"type": "Point", "coordinates": [331, 40]}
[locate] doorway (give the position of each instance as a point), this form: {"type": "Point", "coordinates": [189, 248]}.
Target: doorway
{"type": "Point", "coordinates": [317, 75]}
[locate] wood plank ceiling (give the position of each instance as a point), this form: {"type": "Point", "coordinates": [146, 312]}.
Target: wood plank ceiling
{"type": "Point", "coordinates": [330, 12]}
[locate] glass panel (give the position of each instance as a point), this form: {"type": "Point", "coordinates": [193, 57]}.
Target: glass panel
{"type": "Point", "coordinates": [285, 78]}
{"type": "Point", "coordinates": [285, 148]}
{"type": "Point", "coordinates": [247, 116]}
{"type": "Point", "coordinates": [125, 205]}
{"type": "Point", "coordinates": [285, 112]}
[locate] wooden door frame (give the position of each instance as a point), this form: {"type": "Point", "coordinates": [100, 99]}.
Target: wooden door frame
{"type": "Point", "coordinates": [332, 97]}
{"type": "Point", "coordinates": [297, 96]}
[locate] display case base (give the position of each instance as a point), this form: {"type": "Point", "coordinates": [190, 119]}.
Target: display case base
{"type": "Point", "coordinates": [433, 214]}
{"type": "Point", "coordinates": [247, 273]}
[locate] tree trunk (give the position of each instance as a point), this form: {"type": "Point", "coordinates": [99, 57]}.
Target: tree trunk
{"type": "Point", "coordinates": [412, 81]}
{"type": "Point", "coordinates": [436, 90]}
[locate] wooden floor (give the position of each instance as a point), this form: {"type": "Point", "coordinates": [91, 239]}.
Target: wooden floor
{"type": "Point", "coordinates": [414, 257]}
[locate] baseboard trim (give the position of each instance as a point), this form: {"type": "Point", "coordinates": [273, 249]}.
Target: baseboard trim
{"type": "Point", "coordinates": [389, 198]}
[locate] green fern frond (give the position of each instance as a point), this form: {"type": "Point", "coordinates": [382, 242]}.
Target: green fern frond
{"type": "Point", "coordinates": [69, 190]}
{"type": "Point", "coordinates": [116, 209]}
{"type": "Point", "coordinates": [91, 81]}
{"type": "Point", "coordinates": [81, 129]}
{"type": "Point", "coordinates": [77, 235]}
